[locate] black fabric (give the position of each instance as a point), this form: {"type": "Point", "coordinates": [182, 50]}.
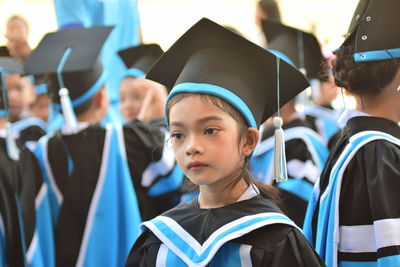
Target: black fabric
{"type": "Point", "coordinates": [31, 133]}
{"type": "Point", "coordinates": [82, 67]}
{"type": "Point", "coordinates": [369, 190]}
{"type": "Point", "coordinates": [274, 245]}
{"type": "Point", "coordinates": [141, 57]}
{"type": "Point", "coordinates": [372, 26]}
{"type": "Point", "coordinates": [301, 47]}
{"type": "Point", "coordinates": [295, 207]}
{"type": "Point", "coordinates": [208, 53]}
{"type": "Point", "coordinates": [143, 144]}
{"type": "Point", "coordinates": [26, 179]}
{"type": "Point", "coordinates": [85, 149]}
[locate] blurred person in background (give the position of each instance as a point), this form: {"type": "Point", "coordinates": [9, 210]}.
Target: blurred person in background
{"type": "Point", "coordinates": [17, 33]}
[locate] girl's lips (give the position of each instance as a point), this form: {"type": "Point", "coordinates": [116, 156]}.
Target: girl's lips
{"type": "Point", "coordinates": [196, 165]}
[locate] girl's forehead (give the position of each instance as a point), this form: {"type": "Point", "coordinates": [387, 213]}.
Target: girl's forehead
{"type": "Point", "coordinates": [194, 107]}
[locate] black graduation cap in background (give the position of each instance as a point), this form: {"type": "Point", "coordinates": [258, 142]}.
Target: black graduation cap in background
{"type": "Point", "coordinates": [301, 47]}
{"type": "Point", "coordinates": [140, 57]}
{"type": "Point", "coordinates": [208, 54]}
{"type": "Point", "coordinates": [375, 28]}
{"type": "Point", "coordinates": [4, 52]}
{"type": "Point", "coordinates": [7, 65]}
{"type": "Point", "coordinates": [74, 52]}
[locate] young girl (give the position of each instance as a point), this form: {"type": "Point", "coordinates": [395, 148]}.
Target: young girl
{"type": "Point", "coordinates": [355, 219]}
{"type": "Point", "coordinates": [222, 91]}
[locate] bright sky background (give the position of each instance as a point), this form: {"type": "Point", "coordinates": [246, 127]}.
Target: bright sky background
{"type": "Point", "coordinates": [163, 21]}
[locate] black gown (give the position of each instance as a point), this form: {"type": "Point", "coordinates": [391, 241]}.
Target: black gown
{"type": "Point", "coordinates": [369, 196]}
{"type": "Point", "coordinates": [25, 180]}
{"type": "Point", "coordinates": [309, 159]}
{"type": "Point", "coordinates": [269, 245]}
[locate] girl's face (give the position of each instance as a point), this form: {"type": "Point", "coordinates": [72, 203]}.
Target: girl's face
{"type": "Point", "coordinates": [205, 140]}
{"type": "Point", "coordinates": [133, 91]}
{"type": "Point", "coordinates": [20, 95]}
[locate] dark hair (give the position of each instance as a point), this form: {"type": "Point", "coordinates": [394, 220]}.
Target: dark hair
{"type": "Point", "coordinates": [266, 191]}
{"type": "Point", "coordinates": [271, 9]}
{"type": "Point", "coordinates": [363, 78]}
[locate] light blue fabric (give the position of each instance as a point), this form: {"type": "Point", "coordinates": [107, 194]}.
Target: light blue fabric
{"type": "Point", "coordinates": [116, 224]}
{"type": "Point", "coordinates": [324, 236]}
{"type": "Point", "coordinates": [377, 55]}
{"type": "Point", "coordinates": [41, 89]}
{"type": "Point", "coordinates": [115, 218]}
{"type": "Point", "coordinates": [44, 254]}
{"type": "Point", "coordinates": [21, 125]}
{"type": "Point", "coordinates": [132, 72]}
{"type": "Point", "coordinates": [186, 247]}
{"type": "Point", "coordinates": [227, 255]}
{"type": "Point", "coordinates": [261, 164]}
{"type": "Point", "coordinates": [298, 187]}
{"type": "Point", "coordinates": [167, 183]}
{"type": "Point", "coordinates": [122, 13]}
{"type": "Point", "coordinates": [210, 89]}
{"type": "Point", "coordinates": [326, 120]}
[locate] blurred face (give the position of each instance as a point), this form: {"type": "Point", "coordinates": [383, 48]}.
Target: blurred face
{"type": "Point", "coordinates": [16, 29]}
{"type": "Point", "coordinates": [328, 92]}
{"type": "Point", "coordinates": [205, 140]}
{"type": "Point", "coordinates": [20, 95]}
{"type": "Point", "coordinates": [132, 93]}
{"type": "Point", "coordinates": [40, 108]}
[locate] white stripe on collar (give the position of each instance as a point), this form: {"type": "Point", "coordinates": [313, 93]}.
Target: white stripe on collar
{"type": "Point", "coordinates": [79, 127]}
{"type": "Point", "coordinates": [250, 192]}
{"type": "Point", "coordinates": [348, 114]}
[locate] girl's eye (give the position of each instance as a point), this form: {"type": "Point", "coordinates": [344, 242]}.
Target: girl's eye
{"type": "Point", "coordinates": [210, 131]}
{"type": "Point", "coordinates": [176, 136]}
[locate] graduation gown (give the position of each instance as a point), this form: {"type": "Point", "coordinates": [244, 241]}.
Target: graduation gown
{"type": "Point", "coordinates": [322, 120]}
{"type": "Point", "coordinates": [32, 203]}
{"type": "Point", "coordinates": [96, 216]}
{"type": "Point", "coordinates": [354, 216]}
{"type": "Point", "coordinates": [29, 130]}
{"type": "Point", "coordinates": [12, 251]}
{"type": "Point", "coordinates": [251, 232]}
{"type": "Point", "coordinates": [305, 156]}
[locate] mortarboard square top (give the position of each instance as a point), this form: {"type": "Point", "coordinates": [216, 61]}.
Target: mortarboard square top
{"type": "Point", "coordinates": [139, 59]}
{"type": "Point", "coordinates": [210, 59]}
{"type": "Point", "coordinates": [301, 47]}
{"type": "Point", "coordinates": [10, 65]}
{"type": "Point", "coordinates": [374, 32]}
{"type": "Point", "coordinates": [70, 58]}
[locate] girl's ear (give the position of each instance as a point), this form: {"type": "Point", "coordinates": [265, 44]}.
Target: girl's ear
{"type": "Point", "coordinates": [249, 141]}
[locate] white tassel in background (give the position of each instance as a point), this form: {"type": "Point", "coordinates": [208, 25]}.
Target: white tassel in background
{"type": "Point", "coordinates": [279, 166]}
{"type": "Point", "coordinates": [12, 149]}
{"type": "Point", "coordinates": [70, 122]}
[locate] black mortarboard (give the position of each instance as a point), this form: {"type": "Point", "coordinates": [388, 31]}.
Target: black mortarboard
{"type": "Point", "coordinates": [70, 58]}
{"type": "Point", "coordinates": [374, 31]}
{"type": "Point", "coordinates": [212, 60]}
{"type": "Point", "coordinates": [301, 47]}
{"type": "Point", "coordinates": [4, 52]}
{"type": "Point", "coordinates": [139, 59]}
{"type": "Point", "coordinates": [7, 65]}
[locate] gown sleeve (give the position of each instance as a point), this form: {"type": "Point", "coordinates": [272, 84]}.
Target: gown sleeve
{"type": "Point", "coordinates": [295, 251]}
{"type": "Point", "coordinates": [383, 184]}
{"type": "Point", "coordinates": [144, 252]}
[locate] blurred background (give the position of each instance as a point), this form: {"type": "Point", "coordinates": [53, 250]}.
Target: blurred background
{"type": "Point", "coordinates": [163, 21]}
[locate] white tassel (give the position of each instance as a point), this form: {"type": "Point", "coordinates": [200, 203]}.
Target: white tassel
{"type": "Point", "coordinates": [12, 149]}
{"type": "Point", "coordinates": [70, 122]}
{"type": "Point", "coordinates": [279, 166]}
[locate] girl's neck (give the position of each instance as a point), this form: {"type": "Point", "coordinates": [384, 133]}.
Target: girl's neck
{"type": "Point", "coordinates": [220, 195]}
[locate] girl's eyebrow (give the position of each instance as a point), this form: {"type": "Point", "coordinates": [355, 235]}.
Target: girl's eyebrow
{"type": "Point", "coordinates": [202, 120]}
